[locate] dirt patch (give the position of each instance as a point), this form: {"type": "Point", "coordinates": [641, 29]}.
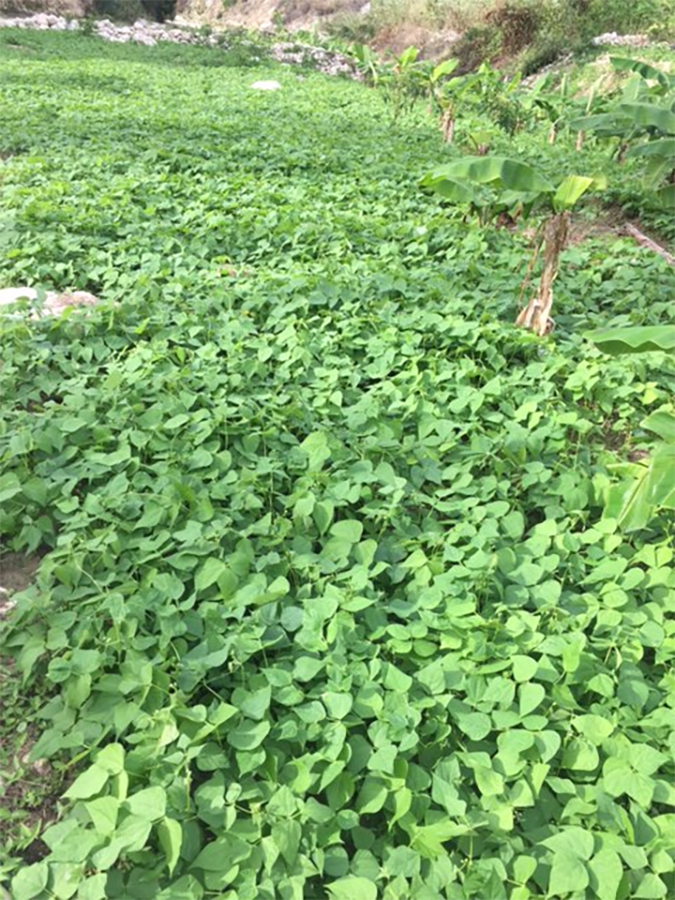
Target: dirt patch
{"type": "Point", "coordinates": [29, 793]}
{"type": "Point", "coordinates": [613, 222]}
{"type": "Point", "coordinates": [16, 574]}
{"type": "Point", "coordinates": [394, 39]}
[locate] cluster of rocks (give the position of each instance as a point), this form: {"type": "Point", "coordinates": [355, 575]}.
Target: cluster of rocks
{"type": "Point", "coordinates": [326, 61]}
{"type": "Point", "coordinates": [41, 22]}
{"type": "Point", "coordinates": [150, 33]}
{"type": "Point", "coordinates": [612, 39]}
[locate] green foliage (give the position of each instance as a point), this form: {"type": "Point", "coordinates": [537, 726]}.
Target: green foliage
{"type": "Point", "coordinates": [643, 121]}
{"type": "Point", "coordinates": [492, 184]}
{"type": "Point", "coordinates": [327, 606]}
{"type": "Point", "coordinates": [647, 487]}
{"type": "Point", "coordinates": [634, 340]}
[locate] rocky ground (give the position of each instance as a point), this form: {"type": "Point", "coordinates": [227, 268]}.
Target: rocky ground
{"type": "Point", "coordinates": [150, 33]}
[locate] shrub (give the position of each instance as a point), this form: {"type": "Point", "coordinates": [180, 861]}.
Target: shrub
{"type": "Point", "coordinates": [118, 10]}
{"type": "Point", "coordinates": [518, 24]}
{"type": "Point", "coordinates": [475, 47]}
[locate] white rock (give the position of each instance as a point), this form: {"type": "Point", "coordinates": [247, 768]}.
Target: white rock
{"type": "Point", "coordinates": [13, 295]}
{"type": "Point", "coordinates": [266, 85]}
{"type": "Point", "coordinates": [54, 304]}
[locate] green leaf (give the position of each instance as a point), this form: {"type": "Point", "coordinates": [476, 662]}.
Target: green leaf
{"type": "Point", "coordinates": [606, 872]}
{"type": "Point", "coordinates": [30, 881]}
{"type": "Point", "coordinates": [568, 874]}
{"type": "Point", "coordinates": [90, 782]}
{"type": "Point", "coordinates": [595, 728]}
{"type": "Point", "coordinates": [286, 836]}
{"type": "Point", "coordinates": [635, 339]}
{"type": "Point", "coordinates": [316, 448]}
{"type": "Point", "coordinates": [662, 423]}
{"type": "Point", "coordinates": [150, 803]}
{"type": "Point", "coordinates": [500, 171]}
{"type": "Point", "coordinates": [372, 796]}
{"type": "Point", "coordinates": [570, 190]}
{"type": "Point", "coordinates": [10, 486]}
{"type": "Point", "coordinates": [337, 705]}
{"type": "Point", "coordinates": [651, 888]}
{"type": "Point", "coordinates": [248, 735]}
{"type": "Point", "coordinates": [489, 782]}
{"type": "Point", "coordinates": [524, 668]}
{"type": "Point", "coordinates": [103, 813]}
{"type": "Point", "coordinates": [347, 530]}
{"type": "Point", "coordinates": [383, 759]}
{"type": "Point", "coordinates": [222, 854]}
{"type": "Point", "coordinates": [111, 759]}
{"type": "Point", "coordinates": [573, 841]}
{"type": "Point", "coordinates": [530, 697]}
{"type": "Point", "coordinates": [170, 835]}
{"type": "Point", "coordinates": [429, 840]}
{"type": "Point", "coordinates": [353, 887]}
{"type": "Point", "coordinates": [306, 668]}
{"type": "Point", "coordinates": [209, 573]}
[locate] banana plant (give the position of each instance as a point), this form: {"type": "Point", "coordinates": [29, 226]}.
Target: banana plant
{"type": "Point", "coordinates": [486, 89]}
{"type": "Point", "coordinates": [491, 185]}
{"type": "Point", "coordinates": [646, 486]}
{"type": "Point", "coordinates": [643, 122]}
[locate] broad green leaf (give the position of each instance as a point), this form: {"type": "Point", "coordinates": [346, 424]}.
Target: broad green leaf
{"type": "Point", "coordinates": [306, 668]}
{"type": "Point", "coordinates": [595, 728]}
{"type": "Point", "coordinates": [111, 759]}
{"type": "Point", "coordinates": [569, 874]}
{"type": "Point", "coordinates": [570, 190]}
{"type": "Point", "coordinates": [30, 881]}
{"type": "Point", "coordinates": [170, 836]}
{"type": "Point", "coordinates": [88, 784]}
{"type": "Point", "coordinates": [347, 530]}
{"type": "Point", "coordinates": [524, 668]}
{"type": "Point", "coordinates": [572, 840]}
{"type": "Point", "coordinates": [208, 573]}
{"type": "Point", "coordinates": [530, 697]}
{"type": "Point", "coordinates": [488, 781]}
{"type": "Point", "coordinates": [10, 486]}
{"type": "Point", "coordinates": [662, 423]}
{"type": "Point", "coordinates": [248, 735]}
{"type": "Point", "coordinates": [353, 887]}
{"type": "Point", "coordinates": [606, 872]}
{"type": "Point", "coordinates": [222, 854]}
{"type": "Point", "coordinates": [150, 803]}
{"type": "Point", "coordinates": [103, 812]}
{"type": "Point", "coordinates": [372, 796]}
{"type": "Point", "coordinates": [635, 339]}
{"type": "Point", "coordinates": [286, 835]}
{"type": "Point", "coordinates": [429, 840]}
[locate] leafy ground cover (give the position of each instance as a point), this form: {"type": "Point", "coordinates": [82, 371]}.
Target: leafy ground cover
{"type": "Point", "coordinates": [327, 608]}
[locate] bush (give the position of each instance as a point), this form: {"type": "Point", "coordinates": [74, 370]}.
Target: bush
{"type": "Point", "coordinates": [543, 54]}
{"type": "Point", "coordinates": [518, 24]}
{"type": "Point", "coordinates": [351, 28]}
{"type": "Point", "coordinates": [118, 10]}
{"type": "Point", "coordinates": [130, 10]}
{"type": "Point", "coordinates": [475, 47]}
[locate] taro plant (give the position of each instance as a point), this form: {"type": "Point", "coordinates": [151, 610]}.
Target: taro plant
{"type": "Point", "coordinates": [646, 486]}
{"type": "Point", "coordinates": [494, 185]}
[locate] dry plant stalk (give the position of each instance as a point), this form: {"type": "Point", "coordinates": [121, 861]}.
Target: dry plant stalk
{"type": "Point", "coordinates": [448, 126]}
{"type": "Point", "coordinates": [537, 314]}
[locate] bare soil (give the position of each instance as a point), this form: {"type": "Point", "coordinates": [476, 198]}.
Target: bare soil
{"type": "Point", "coordinates": [16, 574]}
